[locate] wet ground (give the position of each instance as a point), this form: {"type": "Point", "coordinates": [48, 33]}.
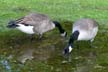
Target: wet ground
{"type": "Point", "coordinates": [19, 54]}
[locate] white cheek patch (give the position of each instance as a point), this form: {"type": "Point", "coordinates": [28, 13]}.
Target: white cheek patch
{"type": "Point", "coordinates": [63, 34]}
{"type": "Point", "coordinates": [70, 49]}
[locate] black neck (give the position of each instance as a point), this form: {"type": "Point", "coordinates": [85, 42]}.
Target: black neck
{"type": "Point", "coordinates": [57, 24]}
{"type": "Point", "coordinates": [73, 37]}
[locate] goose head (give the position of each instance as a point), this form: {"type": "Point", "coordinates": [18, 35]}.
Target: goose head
{"type": "Point", "coordinates": [12, 24]}
{"type": "Point", "coordinates": [67, 50]}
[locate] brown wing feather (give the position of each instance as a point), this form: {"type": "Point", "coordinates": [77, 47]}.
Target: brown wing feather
{"type": "Point", "coordinates": [33, 19]}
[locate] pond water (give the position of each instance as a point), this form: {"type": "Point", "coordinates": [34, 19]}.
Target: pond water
{"type": "Point", "coordinates": [19, 54]}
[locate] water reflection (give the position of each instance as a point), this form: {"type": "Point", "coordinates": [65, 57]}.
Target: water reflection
{"type": "Point", "coordinates": [88, 63]}
{"type": "Point", "coordinates": [19, 54]}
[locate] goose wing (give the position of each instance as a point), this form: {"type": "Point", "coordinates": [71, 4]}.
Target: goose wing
{"type": "Point", "coordinates": [33, 19]}
{"type": "Point", "coordinates": [85, 24]}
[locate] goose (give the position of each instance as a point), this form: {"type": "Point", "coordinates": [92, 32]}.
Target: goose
{"type": "Point", "coordinates": [36, 23]}
{"type": "Point", "coordinates": [83, 29]}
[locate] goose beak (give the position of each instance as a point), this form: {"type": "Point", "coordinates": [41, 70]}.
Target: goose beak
{"type": "Point", "coordinates": [66, 53]}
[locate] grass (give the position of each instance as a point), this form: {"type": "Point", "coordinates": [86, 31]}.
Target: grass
{"type": "Point", "coordinates": [65, 11]}
{"type": "Point", "coordinates": [57, 10]}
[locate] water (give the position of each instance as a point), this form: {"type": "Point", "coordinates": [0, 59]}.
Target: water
{"type": "Point", "coordinates": [19, 54]}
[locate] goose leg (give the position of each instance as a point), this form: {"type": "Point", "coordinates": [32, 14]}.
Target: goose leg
{"type": "Point", "coordinates": [91, 45]}
{"type": "Point", "coordinates": [78, 48]}
{"type": "Point", "coordinates": [32, 37]}
{"type": "Point", "coordinates": [78, 45]}
{"type": "Point", "coordinates": [40, 36]}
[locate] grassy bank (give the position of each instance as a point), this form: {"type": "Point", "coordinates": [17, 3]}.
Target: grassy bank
{"type": "Point", "coordinates": [69, 10]}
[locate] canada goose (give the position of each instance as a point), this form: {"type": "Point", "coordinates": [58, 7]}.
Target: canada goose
{"type": "Point", "coordinates": [83, 29]}
{"type": "Point", "coordinates": [35, 23]}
